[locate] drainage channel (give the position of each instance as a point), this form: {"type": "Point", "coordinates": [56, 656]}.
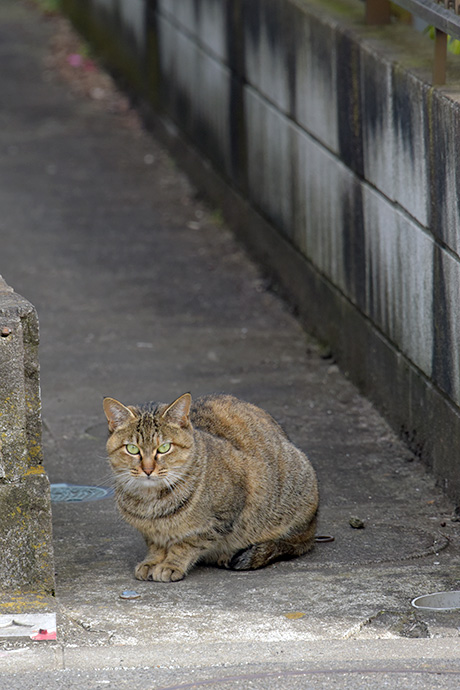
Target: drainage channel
{"type": "Point", "coordinates": [74, 493]}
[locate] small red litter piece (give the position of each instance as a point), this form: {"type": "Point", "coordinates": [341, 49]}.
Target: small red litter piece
{"type": "Point", "coordinates": [44, 634]}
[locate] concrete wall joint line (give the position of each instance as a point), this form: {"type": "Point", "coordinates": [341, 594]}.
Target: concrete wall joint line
{"type": "Point", "coordinates": [182, 29]}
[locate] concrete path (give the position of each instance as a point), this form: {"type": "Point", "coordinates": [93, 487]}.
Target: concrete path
{"type": "Point", "coordinates": [143, 294]}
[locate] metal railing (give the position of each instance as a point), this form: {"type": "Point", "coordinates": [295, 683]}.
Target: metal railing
{"type": "Point", "coordinates": [442, 14]}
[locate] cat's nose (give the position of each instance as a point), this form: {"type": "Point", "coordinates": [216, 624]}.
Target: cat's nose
{"type": "Point", "coordinates": [148, 472]}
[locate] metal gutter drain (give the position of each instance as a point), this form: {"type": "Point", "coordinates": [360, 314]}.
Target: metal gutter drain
{"type": "Point", "coordinates": [439, 601]}
{"type": "Point", "coordinates": [73, 493]}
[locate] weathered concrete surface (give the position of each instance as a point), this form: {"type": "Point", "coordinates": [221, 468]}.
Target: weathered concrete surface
{"type": "Point", "coordinates": [142, 293]}
{"type": "Point", "coordinates": [329, 130]}
{"type": "Point", "coordinates": [25, 526]}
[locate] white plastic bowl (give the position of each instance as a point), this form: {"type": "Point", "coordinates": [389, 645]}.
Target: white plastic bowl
{"type": "Point", "coordinates": [439, 601]}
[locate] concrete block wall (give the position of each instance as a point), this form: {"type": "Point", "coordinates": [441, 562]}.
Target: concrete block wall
{"type": "Point", "coordinates": [344, 163]}
{"type": "Point", "coordinates": [25, 507]}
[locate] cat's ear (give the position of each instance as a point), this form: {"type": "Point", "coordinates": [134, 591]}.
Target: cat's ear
{"type": "Point", "coordinates": [179, 411]}
{"type": "Point", "coordinates": [116, 413]}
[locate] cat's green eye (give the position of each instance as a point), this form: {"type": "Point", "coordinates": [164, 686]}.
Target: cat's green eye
{"type": "Point", "coordinates": [164, 447]}
{"type": "Point", "coordinates": [132, 449]}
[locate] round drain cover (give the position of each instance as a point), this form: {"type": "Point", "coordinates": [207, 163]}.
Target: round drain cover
{"type": "Point", "coordinates": [72, 493]}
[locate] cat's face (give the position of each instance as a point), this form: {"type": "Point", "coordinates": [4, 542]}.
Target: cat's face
{"type": "Point", "coordinates": [149, 449]}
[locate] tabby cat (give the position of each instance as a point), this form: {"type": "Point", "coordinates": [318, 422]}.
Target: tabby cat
{"type": "Point", "coordinates": [216, 481]}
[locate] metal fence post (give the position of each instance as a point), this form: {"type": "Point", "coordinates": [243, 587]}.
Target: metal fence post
{"type": "Point", "coordinates": [377, 12]}
{"type": "Point", "coordinates": [440, 58]}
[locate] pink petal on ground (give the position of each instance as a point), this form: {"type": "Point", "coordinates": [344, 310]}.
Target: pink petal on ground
{"type": "Point", "coordinates": [75, 60]}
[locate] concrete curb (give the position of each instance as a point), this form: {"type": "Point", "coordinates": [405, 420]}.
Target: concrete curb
{"type": "Point", "coordinates": [25, 529]}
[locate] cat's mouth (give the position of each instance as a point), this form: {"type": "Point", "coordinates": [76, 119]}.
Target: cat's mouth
{"type": "Point", "coordinates": [140, 481]}
{"type": "Point", "coordinates": [148, 479]}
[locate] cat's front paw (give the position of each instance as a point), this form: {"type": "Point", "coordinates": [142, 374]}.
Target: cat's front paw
{"type": "Point", "coordinates": [158, 572]}
{"type": "Point", "coordinates": [164, 574]}
{"type": "Point", "coordinates": [142, 570]}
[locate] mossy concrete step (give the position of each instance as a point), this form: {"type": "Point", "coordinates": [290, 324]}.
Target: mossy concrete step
{"type": "Point", "coordinates": [25, 507]}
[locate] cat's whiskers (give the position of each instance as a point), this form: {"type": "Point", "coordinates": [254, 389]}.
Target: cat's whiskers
{"type": "Point", "coordinates": [168, 483]}
{"type": "Point", "coordinates": [107, 479]}
{"type": "Point", "coordinates": [125, 478]}
{"type": "Point", "coordinates": [133, 481]}
{"type": "Point", "coordinates": [174, 480]}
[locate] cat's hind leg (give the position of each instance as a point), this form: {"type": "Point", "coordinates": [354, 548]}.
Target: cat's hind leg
{"type": "Point", "coordinates": [260, 555]}
{"type": "Point", "coordinates": [256, 556]}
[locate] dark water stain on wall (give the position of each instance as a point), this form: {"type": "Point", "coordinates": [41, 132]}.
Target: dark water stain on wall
{"type": "Point", "coordinates": [406, 109]}
{"type": "Point", "coordinates": [235, 49]}
{"type": "Point", "coordinates": [349, 98]}
{"type": "Point", "coordinates": [279, 22]}
{"type": "Point", "coordinates": [152, 55]}
{"type": "Point", "coordinates": [291, 22]}
{"type": "Point", "coordinates": [377, 104]}
{"type": "Point", "coordinates": [443, 347]}
{"type": "Point", "coordinates": [440, 138]}
{"type": "Point", "coordinates": [354, 244]}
